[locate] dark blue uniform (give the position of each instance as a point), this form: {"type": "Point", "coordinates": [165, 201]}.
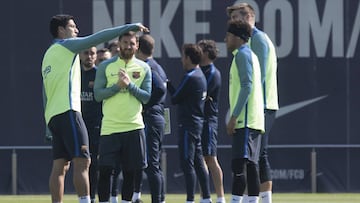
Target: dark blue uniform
{"type": "Point", "coordinates": [190, 97]}
{"type": "Point", "coordinates": [154, 130]}
{"type": "Point", "coordinates": [210, 129]}
{"type": "Point", "coordinates": [91, 113]}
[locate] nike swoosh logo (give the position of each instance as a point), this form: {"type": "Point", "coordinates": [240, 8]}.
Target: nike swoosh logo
{"type": "Point", "coordinates": [176, 175]}
{"type": "Point", "coordinates": [293, 107]}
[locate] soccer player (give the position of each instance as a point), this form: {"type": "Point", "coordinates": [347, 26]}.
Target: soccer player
{"type": "Point", "coordinates": [61, 74]}
{"type": "Point", "coordinates": [91, 112]}
{"type": "Point", "coordinates": [209, 136]}
{"type": "Point", "coordinates": [264, 49]}
{"type": "Point", "coordinates": [190, 98]}
{"type": "Point", "coordinates": [246, 122]}
{"type": "Point", "coordinates": [102, 55]}
{"type": "Point", "coordinates": [154, 119]}
{"type": "Point", "coordinates": [123, 84]}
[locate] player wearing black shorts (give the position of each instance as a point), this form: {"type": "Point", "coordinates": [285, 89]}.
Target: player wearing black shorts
{"type": "Point", "coordinates": [61, 74]}
{"type": "Point", "coordinates": [246, 122]}
{"type": "Point", "coordinates": [123, 84]}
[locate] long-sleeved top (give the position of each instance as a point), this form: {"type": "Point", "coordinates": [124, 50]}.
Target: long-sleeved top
{"type": "Point", "coordinates": [122, 107]}
{"type": "Point", "coordinates": [61, 70]}
{"type": "Point", "coordinates": [91, 109]}
{"type": "Point", "coordinates": [155, 106]}
{"type": "Point", "coordinates": [190, 97]}
{"type": "Point", "coordinates": [213, 79]}
{"type": "Point", "coordinates": [265, 51]}
{"type": "Point", "coordinates": [245, 91]}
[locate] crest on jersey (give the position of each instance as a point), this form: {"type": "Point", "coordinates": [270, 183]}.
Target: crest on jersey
{"type": "Point", "coordinates": [136, 75]}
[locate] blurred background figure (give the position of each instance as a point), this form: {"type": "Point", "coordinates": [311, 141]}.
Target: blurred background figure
{"type": "Point", "coordinates": [102, 54]}
{"type": "Point", "coordinates": [91, 112]}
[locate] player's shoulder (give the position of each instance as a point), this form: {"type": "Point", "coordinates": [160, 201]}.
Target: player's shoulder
{"type": "Point", "coordinates": [141, 63]}
{"type": "Point", "coordinates": [258, 35]}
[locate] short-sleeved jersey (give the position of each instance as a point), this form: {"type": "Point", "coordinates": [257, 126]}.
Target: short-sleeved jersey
{"type": "Point", "coordinates": [245, 90]}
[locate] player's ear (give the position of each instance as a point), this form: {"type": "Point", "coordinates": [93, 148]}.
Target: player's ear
{"type": "Point", "coordinates": [60, 31]}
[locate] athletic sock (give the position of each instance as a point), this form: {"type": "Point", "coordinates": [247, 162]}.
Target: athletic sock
{"type": "Point", "coordinates": [253, 199]}
{"type": "Point", "coordinates": [245, 199]}
{"type": "Point", "coordinates": [114, 199]}
{"type": "Point", "coordinates": [220, 200]}
{"type": "Point", "coordinates": [136, 195]}
{"type": "Point", "coordinates": [236, 199]}
{"type": "Point", "coordinates": [84, 199]}
{"type": "Point", "coordinates": [266, 197]}
{"type": "Point", "coordinates": [207, 200]}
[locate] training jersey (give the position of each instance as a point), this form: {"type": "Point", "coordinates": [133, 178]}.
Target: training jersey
{"type": "Point", "coordinates": [213, 81]}
{"type": "Point", "coordinates": [190, 98]}
{"type": "Point", "coordinates": [245, 91]}
{"type": "Point", "coordinates": [122, 108]}
{"type": "Point", "coordinates": [264, 49]}
{"type": "Point", "coordinates": [155, 106]}
{"type": "Point", "coordinates": [61, 70]}
{"type": "Point", "coordinates": [91, 109]}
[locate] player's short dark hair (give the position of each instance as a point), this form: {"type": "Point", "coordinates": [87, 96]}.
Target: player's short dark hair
{"type": "Point", "coordinates": [240, 28]}
{"type": "Point", "coordinates": [129, 34]}
{"type": "Point", "coordinates": [103, 50]}
{"type": "Point", "coordinates": [193, 51]}
{"type": "Point", "coordinates": [209, 46]}
{"type": "Point", "coordinates": [59, 20]}
{"type": "Point", "coordinates": [146, 44]}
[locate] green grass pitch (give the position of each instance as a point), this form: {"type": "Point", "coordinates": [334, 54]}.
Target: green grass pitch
{"type": "Point", "coordinates": [180, 198]}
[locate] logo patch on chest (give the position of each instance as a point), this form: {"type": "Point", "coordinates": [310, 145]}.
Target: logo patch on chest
{"type": "Point", "coordinates": [136, 75]}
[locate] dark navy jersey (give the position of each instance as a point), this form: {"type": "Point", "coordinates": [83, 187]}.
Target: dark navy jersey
{"type": "Point", "coordinates": [213, 78]}
{"type": "Point", "coordinates": [90, 109]}
{"type": "Point", "coordinates": [190, 97]}
{"type": "Point", "coordinates": [158, 89]}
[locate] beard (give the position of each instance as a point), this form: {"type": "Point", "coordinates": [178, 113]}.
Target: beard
{"type": "Point", "coordinates": [126, 53]}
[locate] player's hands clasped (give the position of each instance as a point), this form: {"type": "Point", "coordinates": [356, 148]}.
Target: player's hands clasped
{"type": "Point", "coordinates": [124, 79]}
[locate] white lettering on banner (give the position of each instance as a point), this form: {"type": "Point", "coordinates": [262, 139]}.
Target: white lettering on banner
{"type": "Point", "coordinates": [321, 30]}
{"type": "Point", "coordinates": [191, 27]}
{"type": "Point", "coordinates": [288, 174]}
{"type": "Point", "coordinates": [160, 27]}
{"type": "Point", "coordinates": [282, 7]}
{"type": "Point", "coordinates": [324, 30]}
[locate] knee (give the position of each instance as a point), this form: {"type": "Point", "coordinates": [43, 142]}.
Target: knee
{"type": "Point", "coordinates": [81, 163]}
{"type": "Point", "coordinates": [105, 171]}
{"type": "Point", "coordinates": [237, 166]}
